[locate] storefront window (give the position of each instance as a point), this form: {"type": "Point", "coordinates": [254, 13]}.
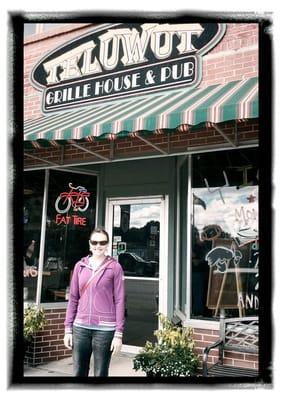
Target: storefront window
{"type": "Point", "coordinates": [70, 218]}
{"type": "Point", "coordinates": [32, 213]}
{"type": "Point", "coordinates": [225, 237]}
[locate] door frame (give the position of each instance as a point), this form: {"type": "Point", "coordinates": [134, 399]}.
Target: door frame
{"type": "Point", "coordinates": [162, 200]}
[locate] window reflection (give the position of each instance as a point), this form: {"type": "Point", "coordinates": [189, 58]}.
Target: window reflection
{"type": "Point", "coordinates": [32, 213]}
{"type": "Point", "coordinates": [135, 244]}
{"type": "Point", "coordinates": [136, 239]}
{"type": "Point", "coordinates": [225, 238]}
{"type": "Point", "coordinates": [183, 179]}
{"type": "Point", "coordinates": [70, 219]}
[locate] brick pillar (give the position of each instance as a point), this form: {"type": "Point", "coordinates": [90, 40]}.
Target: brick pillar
{"type": "Point", "coordinates": [47, 344]}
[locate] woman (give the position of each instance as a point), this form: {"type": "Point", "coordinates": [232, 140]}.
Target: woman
{"type": "Point", "coordinates": [95, 313]}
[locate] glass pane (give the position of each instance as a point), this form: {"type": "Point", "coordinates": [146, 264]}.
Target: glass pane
{"type": "Point", "coordinates": [70, 219]}
{"type": "Point", "coordinates": [141, 311]}
{"type": "Point", "coordinates": [136, 238]}
{"type": "Point", "coordinates": [136, 246]}
{"type": "Point", "coordinates": [225, 236]}
{"type": "Point", "coordinates": [33, 200]}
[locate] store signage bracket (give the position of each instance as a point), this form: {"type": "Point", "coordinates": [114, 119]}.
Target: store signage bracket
{"type": "Point", "coordinates": [120, 60]}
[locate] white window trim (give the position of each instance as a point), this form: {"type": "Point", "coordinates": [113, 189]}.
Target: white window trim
{"type": "Point", "coordinates": [186, 317]}
{"type": "Point", "coordinates": [42, 239]}
{"type": "Point", "coordinates": [163, 200]}
{"type": "Point", "coordinates": [201, 324]}
{"type": "Point", "coordinates": [189, 245]}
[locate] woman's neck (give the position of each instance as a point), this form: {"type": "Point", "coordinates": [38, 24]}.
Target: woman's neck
{"type": "Point", "coordinates": [97, 259]}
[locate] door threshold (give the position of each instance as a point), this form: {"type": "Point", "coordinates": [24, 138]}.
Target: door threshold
{"type": "Point", "coordinates": [130, 349]}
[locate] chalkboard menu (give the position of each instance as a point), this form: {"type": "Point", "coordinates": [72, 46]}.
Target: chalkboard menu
{"type": "Point", "coordinates": [233, 284]}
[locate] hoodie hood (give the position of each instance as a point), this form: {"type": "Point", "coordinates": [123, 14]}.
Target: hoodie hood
{"type": "Point", "coordinates": [84, 262]}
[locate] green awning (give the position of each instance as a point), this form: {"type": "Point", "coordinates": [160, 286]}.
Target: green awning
{"type": "Point", "coordinates": [165, 111]}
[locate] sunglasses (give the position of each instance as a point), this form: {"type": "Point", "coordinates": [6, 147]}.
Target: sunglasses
{"type": "Point", "coordinates": [101, 242]}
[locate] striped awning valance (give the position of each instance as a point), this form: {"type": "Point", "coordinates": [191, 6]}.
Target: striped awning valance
{"type": "Point", "coordinates": [163, 111]}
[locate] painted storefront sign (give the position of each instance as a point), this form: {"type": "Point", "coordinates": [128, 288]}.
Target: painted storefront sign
{"type": "Point", "coordinates": [120, 60]}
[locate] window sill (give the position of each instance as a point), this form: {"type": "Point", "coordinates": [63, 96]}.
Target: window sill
{"type": "Point", "coordinates": [202, 324]}
{"type": "Point", "coordinates": [49, 306]}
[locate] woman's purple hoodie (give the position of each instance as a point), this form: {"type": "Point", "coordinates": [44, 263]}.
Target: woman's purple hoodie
{"type": "Point", "coordinates": [103, 302]}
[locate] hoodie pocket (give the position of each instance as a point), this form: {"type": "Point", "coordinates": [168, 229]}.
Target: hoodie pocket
{"type": "Point", "coordinates": [102, 303]}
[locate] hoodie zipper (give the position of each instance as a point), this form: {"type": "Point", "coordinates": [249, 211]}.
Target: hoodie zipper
{"type": "Point", "coordinates": [102, 270]}
{"type": "Point", "coordinates": [90, 289]}
{"type": "Point", "coordinates": [90, 301]}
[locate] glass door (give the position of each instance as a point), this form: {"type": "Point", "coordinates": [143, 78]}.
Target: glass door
{"type": "Point", "coordinates": [136, 228]}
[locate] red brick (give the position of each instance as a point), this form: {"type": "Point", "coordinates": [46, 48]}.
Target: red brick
{"type": "Point", "coordinates": [198, 337]}
{"type": "Point", "coordinates": [56, 342]}
{"type": "Point", "coordinates": [52, 326]}
{"type": "Point", "coordinates": [61, 347]}
{"type": "Point", "coordinates": [58, 353]}
{"type": "Point", "coordinates": [233, 355]}
{"type": "Point", "coordinates": [58, 321]}
{"type": "Point", "coordinates": [123, 145]}
{"type": "Point", "coordinates": [56, 332]}
{"type": "Point", "coordinates": [228, 361]}
{"type": "Point", "coordinates": [251, 357]}
{"type": "Point", "coordinates": [181, 143]}
{"type": "Point", "coordinates": [204, 331]}
{"type": "Point", "coordinates": [48, 348]}
{"type": "Point", "coordinates": [244, 364]}
{"type": "Point", "coordinates": [45, 354]}
{"type": "Point", "coordinates": [50, 338]}
{"type": "Point", "coordinates": [196, 142]}
{"type": "Point", "coordinates": [211, 338]}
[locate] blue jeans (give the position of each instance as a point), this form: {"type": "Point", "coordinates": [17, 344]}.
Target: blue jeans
{"type": "Point", "coordinates": [86, 341]}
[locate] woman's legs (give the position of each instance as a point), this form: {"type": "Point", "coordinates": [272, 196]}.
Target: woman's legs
{"type": "Point", "coordinates": [82, 349]}
{"type": "Point", "coordinates": [101, 344]}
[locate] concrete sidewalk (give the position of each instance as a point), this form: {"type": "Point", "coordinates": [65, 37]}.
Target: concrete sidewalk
{"type": "Point", "coordinates": [121, 365]}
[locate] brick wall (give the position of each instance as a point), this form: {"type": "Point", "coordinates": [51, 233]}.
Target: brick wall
{"type": "Point", "coordinates": [48, 344]}
{"type": "Point", "coordinates": [133, 147]}
{"type": "Point", "coordinates": [205, 337]}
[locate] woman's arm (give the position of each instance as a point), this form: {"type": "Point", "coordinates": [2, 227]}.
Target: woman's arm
{"type": "Point", "coordinates": [119, 299]}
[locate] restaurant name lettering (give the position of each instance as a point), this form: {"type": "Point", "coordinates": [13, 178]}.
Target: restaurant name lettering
{"type": "Point", "coordinates": [124, 59]}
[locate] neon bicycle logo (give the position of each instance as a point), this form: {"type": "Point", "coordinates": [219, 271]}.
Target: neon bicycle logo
{"type": "Point", "coordinates": [77, 198]}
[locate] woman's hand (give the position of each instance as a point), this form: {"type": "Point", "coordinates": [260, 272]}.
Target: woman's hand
{"type": "Point", "coordinates": [116, 345]}
{"type": "Point", "coordinates": [68, 340]}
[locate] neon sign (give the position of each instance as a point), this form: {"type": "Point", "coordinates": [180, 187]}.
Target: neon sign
{"type": "Point", "coordinates": [77, 199]}
{"type": "Point", "coordinates": [75, 219]}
